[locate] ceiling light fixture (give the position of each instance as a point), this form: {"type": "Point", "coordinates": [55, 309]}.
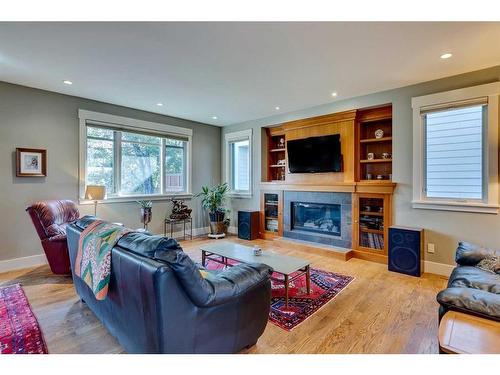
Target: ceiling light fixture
{"type": "Point", "coordinates": [159, 104]}
{"type": "Point", "coordinates": [277, 108]}
{"type": "Point", "coordinates": [66, 82]}
{"type": "Point", "coordinates": [214, 117]}
{"type": "Point", "coordinates": [334, 94]}
{"type": "Point", "coordinates": [446, 55]}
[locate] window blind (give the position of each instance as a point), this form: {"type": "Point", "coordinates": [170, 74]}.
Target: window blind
{"type": "Point", "coordinates": [454, 152]}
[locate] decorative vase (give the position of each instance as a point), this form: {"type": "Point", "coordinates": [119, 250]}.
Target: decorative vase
{"type": "Point", "coordinates": [146, 216]}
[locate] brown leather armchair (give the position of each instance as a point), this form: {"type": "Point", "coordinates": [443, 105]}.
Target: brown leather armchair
{"type": "Point", "coordinates": [50, 219]}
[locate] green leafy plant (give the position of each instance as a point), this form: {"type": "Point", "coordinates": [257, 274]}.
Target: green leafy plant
{"type": "Point", "coordinates": [145, 204]}
{"type": "Point", "coordinates": [213, 198]}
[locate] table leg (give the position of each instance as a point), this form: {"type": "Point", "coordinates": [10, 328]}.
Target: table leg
{"type": "Point", "coordinates": [164, 229]}
{"type": "Point", "coordinates": [184, 230]}
{"type": "Point", "coordinates": [286, 291]}
{"type": "Point", "coordinates": [191, 226]}
{"type": "Point", "coordinates": [308, 279]}
{"type": "Point", "coordinates": [171, 230]}
{"type": "Point", "coordinates": [203, 257]}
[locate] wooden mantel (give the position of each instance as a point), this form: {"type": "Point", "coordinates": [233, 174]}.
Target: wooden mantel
{"type": "Point", "coordinates": [381, 187]}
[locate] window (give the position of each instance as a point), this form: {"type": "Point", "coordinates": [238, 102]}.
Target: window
{"type": "Point", "coordinates": [454, 153]}
{"type": "Point", "coordinates": [239, 162]}
{"type": "Point", "coordinates": [455, 150]}
{"type": "Point", "coordinates": [133, 161]}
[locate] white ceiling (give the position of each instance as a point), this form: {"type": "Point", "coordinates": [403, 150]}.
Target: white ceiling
{"type": "Point", "coordinates": [237, 71]}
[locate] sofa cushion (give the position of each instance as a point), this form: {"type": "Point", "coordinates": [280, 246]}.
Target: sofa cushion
{"type": "Point", "coordinates": [146, 244]}
{"type": "Point", "coordinates": [470, 300]}
{"type": "Point", "coordinates": [476, 278]}
{"type": "Point", "coordinates": [469, 254]}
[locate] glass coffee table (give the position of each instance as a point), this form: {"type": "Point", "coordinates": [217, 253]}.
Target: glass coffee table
{"type": "Point", "coordinates": [290, 267]}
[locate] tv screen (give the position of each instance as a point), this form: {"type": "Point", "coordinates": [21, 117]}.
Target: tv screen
{"type": "Point", "coordinates": [315, 154]}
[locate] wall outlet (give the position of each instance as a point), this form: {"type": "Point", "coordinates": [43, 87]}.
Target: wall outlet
{"type": "Point", "coordinates": [431, 248]}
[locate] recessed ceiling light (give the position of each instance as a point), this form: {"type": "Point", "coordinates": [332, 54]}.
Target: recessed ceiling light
{"type": "Point", "coordinates": [277, 108]}
{"type": "Point", "coordinates": [334, 94]}
{"type": "Point", "coordinates": [446, 55]}
{"type": "Point", "coordinates": [159, 104]}
{"type": "Point", "coordinates": [214, 117]}
{"type": "Point", "coordinates": [66, 82]}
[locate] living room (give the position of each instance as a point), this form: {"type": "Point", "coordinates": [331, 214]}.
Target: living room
{"type": "Point", "coordinates": [250, 187]}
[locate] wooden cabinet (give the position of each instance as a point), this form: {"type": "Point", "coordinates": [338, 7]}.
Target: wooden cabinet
{"type": "Point", "coordinates": [271, 214]}
{"type": "Point", "coordinates": [371, 221]}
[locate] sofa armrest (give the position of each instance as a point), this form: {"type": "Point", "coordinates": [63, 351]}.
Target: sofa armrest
{"type": "Point", "coordinates": [469, 254]}
{"type": "Point", "coordinates": [58, 237]}
{"type": "Point", "coordinates": [472, 301]}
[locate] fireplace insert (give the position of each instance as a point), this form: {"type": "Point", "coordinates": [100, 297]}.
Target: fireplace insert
{"type": "Point", "coordinates": [316, 217]}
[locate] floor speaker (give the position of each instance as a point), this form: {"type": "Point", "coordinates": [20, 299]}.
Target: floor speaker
{"type": "Point", "coordinates": [248, 225]}
{"type": "Point", "coordinates": [406, 250]}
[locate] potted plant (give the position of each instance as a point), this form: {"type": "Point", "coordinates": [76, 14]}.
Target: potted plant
{"type": "Point", "coordinates": [213, 200]}
{"type": "Point", "coordinates": [146, 212]}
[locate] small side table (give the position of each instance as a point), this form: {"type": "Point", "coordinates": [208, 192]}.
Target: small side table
{"type": "Point", "coordinates": [173, 222]}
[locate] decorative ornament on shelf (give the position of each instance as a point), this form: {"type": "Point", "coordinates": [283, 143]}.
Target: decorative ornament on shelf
{"type": "Point", "coordinates": [386, 155]}
{"type": "Point", "coordinates": [370, 156]}
{"type": "Point", "coordinates": [281, 143]}
{"type": "Point", "coordinates": [379, 133]}
{"type": "Point", "coordinates": [146, 212]}
{"type": "Point", "coordinates": [180, 211]}
{"type": "Point", "coordinates": [281, 162]}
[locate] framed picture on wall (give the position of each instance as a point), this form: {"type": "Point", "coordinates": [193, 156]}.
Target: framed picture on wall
{"type": "Point", "coordinates": [31, 162]}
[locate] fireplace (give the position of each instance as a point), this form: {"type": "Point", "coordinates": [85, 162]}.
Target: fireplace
{"type": "Point", "coordinates": [316, 217]}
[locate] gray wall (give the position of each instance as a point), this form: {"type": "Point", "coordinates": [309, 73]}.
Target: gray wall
{"type": "Point", "coordinates": [442, 228]}
{"type": "Point", "coordinates": [41, 119]}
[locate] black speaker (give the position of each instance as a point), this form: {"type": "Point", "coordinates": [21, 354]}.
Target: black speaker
{"type": "Point", "coordinates": [406, 250]}
{"type": "Point", "coordinates": [248, 225]}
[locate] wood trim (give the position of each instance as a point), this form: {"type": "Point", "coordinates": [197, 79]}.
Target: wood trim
{"type": "Point", "coordinates": [372, 257]}
{"type": "Point", "coordinates": [381, 187]}
{"type": "Point", "coordinates": [320, 120]}
{"type": "Point", "coordinates": [383, 112]}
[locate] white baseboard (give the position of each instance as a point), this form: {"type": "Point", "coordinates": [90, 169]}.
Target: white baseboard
{"type": "Point", "coordinates": [24, 262]}
{"type": "Point", "coordinates": [438, 268]}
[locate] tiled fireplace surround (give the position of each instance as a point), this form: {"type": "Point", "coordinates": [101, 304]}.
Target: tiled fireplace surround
{"type": "Point", "coordinates": [342, 199]}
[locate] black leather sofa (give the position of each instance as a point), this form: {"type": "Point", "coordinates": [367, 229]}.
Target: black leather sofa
{"type": "Point", "coordinates": [470, 289]}
{"type": "Point", "coordinates": [158, 301]}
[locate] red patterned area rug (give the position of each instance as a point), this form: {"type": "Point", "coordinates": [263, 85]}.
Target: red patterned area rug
{"type": "Point", "coordinates": [19, 329]}
{"type": "Point", "coordinates": [324, 287]}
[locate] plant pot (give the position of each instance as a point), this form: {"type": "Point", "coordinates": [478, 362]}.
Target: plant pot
{"type": "Point", "coordinates": [146, 215]}
{"type": "Point", "coordinates": [216, 216]}
{"type": "Point", "coordinates": [217, 227]}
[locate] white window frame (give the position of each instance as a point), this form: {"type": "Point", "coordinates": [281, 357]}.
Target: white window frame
{"type": "Point", "coordinates": [236, 137]}
{"type": "Point", "coordinates": [124, 123]}
{"type": "Point", "coordinates": [443, 100]}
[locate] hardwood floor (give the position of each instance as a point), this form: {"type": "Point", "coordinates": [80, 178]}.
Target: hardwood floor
{"type": "Point", "coordinates": [379, 312]}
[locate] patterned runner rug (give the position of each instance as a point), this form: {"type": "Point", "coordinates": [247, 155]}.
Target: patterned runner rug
{"type": "Point", "coordinates": [324, 287]}
{"type": "Point", "coordinates": [19, 329]}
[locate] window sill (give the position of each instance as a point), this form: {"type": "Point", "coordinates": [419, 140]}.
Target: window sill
{"type": "Point", "coordinates": [163, 197]}
{"type": "Point", "coordinates": [240, 195]}
{"type": "Point", "coordinates": [457, 206]}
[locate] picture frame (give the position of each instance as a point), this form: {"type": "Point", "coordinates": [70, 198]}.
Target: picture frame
{"type": "Point", "coordinates": [31, 162]}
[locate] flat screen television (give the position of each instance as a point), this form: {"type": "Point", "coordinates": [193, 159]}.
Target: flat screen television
{"type": "Point", "coordinates": [315, 154]}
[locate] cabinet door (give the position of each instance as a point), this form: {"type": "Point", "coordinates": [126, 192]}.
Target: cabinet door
{"type": "Point", "coordinates": [271, 214]}
{"type": "Point", "coordinates": [371, 214]}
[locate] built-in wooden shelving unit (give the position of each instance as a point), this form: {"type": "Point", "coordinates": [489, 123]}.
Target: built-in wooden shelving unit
{"type": "Point", "coordinates": [374, 144]}
{"type": "Point", "coordinates": [276, 158]}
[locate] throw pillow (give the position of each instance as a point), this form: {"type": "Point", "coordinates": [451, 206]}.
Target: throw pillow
{"type": "Point", "coordinates": [491, 264]}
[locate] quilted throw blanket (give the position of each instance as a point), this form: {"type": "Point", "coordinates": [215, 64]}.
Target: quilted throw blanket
{"type": "Point", "coordinates": [93, 260]}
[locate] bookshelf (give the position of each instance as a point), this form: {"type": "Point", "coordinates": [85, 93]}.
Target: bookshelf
{"type": "Point", "coordinates": [276, 158]}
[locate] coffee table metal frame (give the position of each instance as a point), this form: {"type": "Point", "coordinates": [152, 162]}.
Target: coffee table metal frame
{"type": "Point", "coordinates": [206, 255]}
